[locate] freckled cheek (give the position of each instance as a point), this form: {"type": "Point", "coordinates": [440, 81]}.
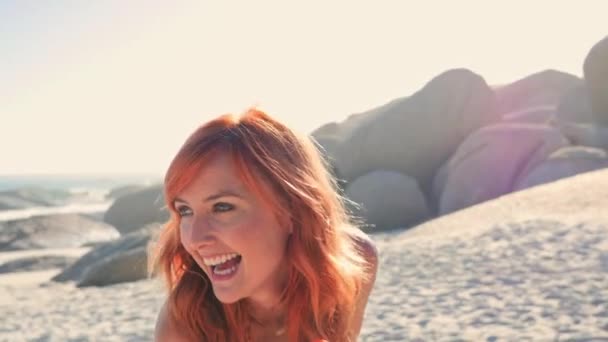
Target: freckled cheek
{"type": "Point", "coordinates": [267, 237]}
{"type": "Point", "coordinates": [184, 235]}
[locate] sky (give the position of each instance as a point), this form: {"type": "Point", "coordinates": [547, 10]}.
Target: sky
{"type": "Point", "coordinates": [115, 86]}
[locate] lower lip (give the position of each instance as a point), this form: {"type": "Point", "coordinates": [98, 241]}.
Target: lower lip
{"type": "Point", "coordinates": [224, 277]}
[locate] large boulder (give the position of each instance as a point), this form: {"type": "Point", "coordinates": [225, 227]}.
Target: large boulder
{"type": "Point", "coordinates": [574, 106]}
{"type": "Point", "coordinates": [539, 89]}
{"type": "Point", "coordinates": [415, 135]}
{"type": "Point", "coordinates": [565, 162]}
{"type": "Point", "coordinates": [595, 69]}
{"type": "Point", "coordinates": [123, 267]}
{"type": "Point", "coordinates": [53, 231]}
{"type": "Point", "coordinates": [535, 115]}
{"type": "Point", "coordinates": [122, 260]}
{"type": "Point", "coordinates": [136, 209]}
{"type": "Point", "coordinates": [490, 161]}
{"type": "Point", "coordinates": [388, 200]}
{"type": "Point", "coordinates": [331, 135]}
{"type": "Point", "coordinates": [580, 134]}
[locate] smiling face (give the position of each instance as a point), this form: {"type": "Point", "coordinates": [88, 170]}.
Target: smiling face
{"type": "Point", "coordinates": [232, 234]}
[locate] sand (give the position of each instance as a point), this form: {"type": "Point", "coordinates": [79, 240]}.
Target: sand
{"type": "Point", "coordinates": [527, 281]}
{"type": "Point", "coordinates": [531, 266]}
{"type": "Point", "coordinates": [33, 309]}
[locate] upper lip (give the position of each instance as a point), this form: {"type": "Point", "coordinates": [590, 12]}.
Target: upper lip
{"type": "Point", "coordinates": [201, 260]}
{"type": "Point", "coordinates": [209, 256]}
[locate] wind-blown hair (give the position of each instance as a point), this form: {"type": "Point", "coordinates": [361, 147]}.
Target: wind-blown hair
{"type": "Point", "coordinates": [326, 268]}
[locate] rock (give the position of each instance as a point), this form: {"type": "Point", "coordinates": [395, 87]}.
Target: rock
{"type": "Point", "coordinates": [136, 209]}
{"type": "Point", "coordinates": [438, 186]}
{"type": "Point", "coordinates": [595, 69]}
{"type": "Point", "coordinates": [574, 106]}
{"type": "Point", "coordinates": [122, 260]}
{"type": "Point", "coordinates": [534, 115]}
{"type": "Point", "coordinates": [331, 135]}
{"type": "Point", "coordinates": [36, 263]}
{"type": "Point", "coordinates": [415, 135]}
{"type": "Point", "coordinates": [123, 267]}
{"type": "Point", "coordinates": [490, 161]}
{"type": "Point", "coordinates": [582, 198]}
{"type": "Point", "coordinates": [565, 162]}
{"type": "Point", "coordinates": [53, 231]}
{"type": "Point", "coordinates": [578, 152]}
{"type": "Point", "coordinates": [539, 89]}
{"type": "Point", "coordinates": [589, 135]}
{"type": "Point", "coordinates": [329, 129]}
{"type": "Point", "coordinates": [388, 200]}
{"type": "Point", "coordinates": [326, 145]}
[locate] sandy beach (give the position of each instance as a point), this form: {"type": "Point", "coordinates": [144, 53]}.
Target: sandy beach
{"type": "Point", "coordinates": [531, 266]}
{"type": "Point", "coordinates": [516, 282]}
{"type": "Point", "coordinates": [528, 266]}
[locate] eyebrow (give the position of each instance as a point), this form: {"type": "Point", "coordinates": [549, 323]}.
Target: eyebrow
{"type": "Point", "coordinates": [220, 194]}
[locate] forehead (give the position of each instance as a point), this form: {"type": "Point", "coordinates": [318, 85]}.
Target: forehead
{"type": "Point", "coordinates": [219, 173]}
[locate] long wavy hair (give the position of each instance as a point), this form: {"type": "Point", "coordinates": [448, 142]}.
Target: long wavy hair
{"type": "Point", "coordinates": [326, 268]}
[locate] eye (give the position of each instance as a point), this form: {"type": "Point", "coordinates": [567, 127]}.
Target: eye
{"type": "Point", "coordinates": [183, 211]}
{"type": "Point", "coordinates": [222, 207]}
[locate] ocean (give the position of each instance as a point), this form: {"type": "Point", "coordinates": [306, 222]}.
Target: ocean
{"type": "Point", "coordinates": [89, 192]}
{"type": "Point", "coordinates": [73, 182]}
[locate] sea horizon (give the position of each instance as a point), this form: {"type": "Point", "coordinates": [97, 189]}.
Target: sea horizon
{"type": "Point", "coordinates": [74, 181]}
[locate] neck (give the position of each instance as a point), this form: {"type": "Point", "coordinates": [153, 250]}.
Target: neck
{"type": "Point", "coordinates": [269, 319]}
{"type": "Point", "coordinates": [267, 311]}
{"type": "Point", "coordinates": [266, 304]}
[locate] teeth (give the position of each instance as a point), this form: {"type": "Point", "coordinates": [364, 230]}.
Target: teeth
{"type": "Point", "coordinates": [225, 272]}
{"type": "Point", "coordinates": [219, 259]}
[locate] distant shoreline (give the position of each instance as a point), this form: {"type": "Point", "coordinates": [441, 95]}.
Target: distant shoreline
{"type": "Point", "coordinates": [66, 181]}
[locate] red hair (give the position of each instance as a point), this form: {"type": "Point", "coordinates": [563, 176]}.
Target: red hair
{"type": "Point", "coordinates": [326, 270]}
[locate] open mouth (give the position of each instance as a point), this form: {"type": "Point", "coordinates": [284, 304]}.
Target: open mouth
{"type": "Point", "coordinates": [226, 269]}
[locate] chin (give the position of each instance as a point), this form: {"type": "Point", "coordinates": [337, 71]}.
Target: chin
{"type": "Point", "coordinates": [227, 298]}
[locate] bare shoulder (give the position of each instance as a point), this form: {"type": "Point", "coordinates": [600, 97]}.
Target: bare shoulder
{"type": "Point", "coordinates": [166, 329]}
{"type": "Point", "coordinates": [369, 251]}
{"type": "Point", "coordinates": [366, 246]}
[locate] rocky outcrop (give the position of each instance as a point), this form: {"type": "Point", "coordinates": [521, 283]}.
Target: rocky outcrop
{"type": "Point", "coordinates": [413, 135]}
{"type": "Point", "coordinates": [540, 89]}
{"type": "Point", "coordinates": [136, 209]}
{"type": "Point", "coordinates": [580, 134]}
{"type": "Point", "coordinates": [565, 162]}
{"type": "Point", "coordinates": [533, 115]}
{"type": "Point", "coordinates": [575, 106]}
{"type": "Point", "coordinates": [388, 200]}
{"type": "Point", "coordinates": [490, 161]}
{"type": "Point", "coordinates": [595, 69]}
{"type": "Point", "coordinates": [122, 260]}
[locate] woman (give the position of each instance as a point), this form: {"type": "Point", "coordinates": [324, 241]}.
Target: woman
{"type": "Point", "coordinates": [258, 246]}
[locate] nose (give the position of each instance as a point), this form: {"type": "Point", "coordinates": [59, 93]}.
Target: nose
{"type": "Point", "coordinates": [200, 233]}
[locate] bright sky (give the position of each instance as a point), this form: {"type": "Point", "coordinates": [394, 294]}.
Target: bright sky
{"type": "Point", "coordinates": [116, 86]}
